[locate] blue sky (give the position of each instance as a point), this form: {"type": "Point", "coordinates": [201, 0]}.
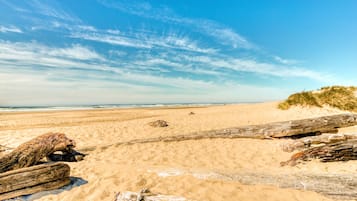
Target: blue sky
{"type": "Point", "coordinates": [128, 51]}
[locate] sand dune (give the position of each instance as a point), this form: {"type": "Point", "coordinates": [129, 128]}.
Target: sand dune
{"type": "Point", "coordinates": [111, 168]}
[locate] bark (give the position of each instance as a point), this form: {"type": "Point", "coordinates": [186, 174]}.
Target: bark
{"type": "Point", "coordinates": [333, 185]}
{"type": "Point", "coordinates": [339, 151]}
{"type": "Point", "coordinates": [319, 140]}
{"type": "Point", "coordinates": [326, 124]}
{"type": "Point", "coordinates": [294, 128]}
{"type": "Point", "coordinates": [31, 152]}
{"type": "Point", "coordinates": [33, 179]}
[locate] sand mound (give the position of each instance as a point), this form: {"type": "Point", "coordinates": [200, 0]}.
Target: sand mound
{"type": "Point", "coordinates": [343, 98]}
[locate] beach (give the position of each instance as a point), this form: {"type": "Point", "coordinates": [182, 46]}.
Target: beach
{"type": "Point", "coordinates": [192, 169]}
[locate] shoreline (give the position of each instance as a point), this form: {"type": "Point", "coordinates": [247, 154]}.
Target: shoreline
{"type": "Point", "coordinates": [10, 109]}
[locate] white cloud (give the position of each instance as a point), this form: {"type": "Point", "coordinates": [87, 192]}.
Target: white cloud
{"type": "Point", "coordinates": [87, 28]}
{"type": "Point", "coordinates": [13, 29]}
{"type": "Point", "coordinates": [81, 57]}
{"type": "Point", "coordinates": [117, 53]}
{"type": "Point", "coordinates": [115, 83]}
{"type": "Point", "coordinates": [110, 39]}
{"type": "Point", "coordinates": [285, 61]}
{"type": "Point", "coordinates": [225, 35]}
{"type": "Point", "coordinates": [112, 31]}
{"type": "Point", "coordinates": [54, 11]}
{"type": "Point", "coordinates": [75, 52]}
{"type": "Point", "coordinates": [221, 33]}
{"type": "Point", "coordinates": [35, 52]}
{"type": "Point", "coordinates": [26, 88]}
{"type": "Point", "coordinates": [142, 40]}
{"type": "Point", "coordinates": [253, 66]}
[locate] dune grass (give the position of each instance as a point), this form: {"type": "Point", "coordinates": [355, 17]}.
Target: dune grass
{"type": "Point", "coordinates": [341, 97]}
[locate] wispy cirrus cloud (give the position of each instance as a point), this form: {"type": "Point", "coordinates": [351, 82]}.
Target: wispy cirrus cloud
{"type": "Point", "coordinates": [33, 50]}
{"type": "Point", "coordinates": [142, 40]}
{"type": "Point", "coordinates": [54, 10]}
{"type": "Point", "coordinates": [285, 61]}
{"type": "Point", "coordinates": [219, 32]}
{"type": "Point", "coordinates": [254, 66]}
{"type": "Point", "coordinates": [75, 51]}
{"type": "Point", "coordinates": [12, 29]}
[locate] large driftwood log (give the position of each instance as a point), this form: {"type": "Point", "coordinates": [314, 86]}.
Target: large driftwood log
{"type": "Point", "coordinates": [33, 179]}
{"type": "Point", "coordinates": [336, 186]}
{"type": "Point", "coordinates": [326, 124]}
{"type": "Point", "coordinates": [318, 140]}
{"type": "Point", "coordinates": [314, 126]}
{"type": "Point", "coordinates": [33, 151]}
{"type": "Point", "coordinates": [339, 151]}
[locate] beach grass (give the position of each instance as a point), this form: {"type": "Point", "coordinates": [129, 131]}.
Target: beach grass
{"type": "Point", "coordinates": [341, 97]}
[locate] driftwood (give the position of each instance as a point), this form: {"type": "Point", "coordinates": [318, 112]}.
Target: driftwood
{"type": "Point", "coordinates": [335, 186]}
{"type": "Point", "coordinates": [326, 124]}
{"type": "Point", "coordinates": [31, 152]}
{"type": "Point", "coordinates": [33, 179]}
{"type": "Point", "coordinates": [322, 139]}
{"type": "Point", "coordinates": [312, 126]}
{"type": "Point", "coordinates": [339, 151]}
{"type": "Point", "coordinates": [69, 155]}
{"type": "Point", "coordinates": [146, 195]}
{"type": "Point", "coordinates": [159, 123]}
{"type": "Point", "coordinates": [264, 131]}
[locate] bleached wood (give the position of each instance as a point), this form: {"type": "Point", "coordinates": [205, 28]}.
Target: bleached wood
{"type": "Point", "coordinates": [31, 152]}
{"type": "Point", "coordinates": [325, 138]}
{"type": "Point", "coordinates": [338, 151]}
{"type": "Point", "coordinates": [33, 179]}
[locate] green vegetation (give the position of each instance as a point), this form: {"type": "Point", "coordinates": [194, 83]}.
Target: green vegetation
{"type": "Point", "coordinates": [340, 97]}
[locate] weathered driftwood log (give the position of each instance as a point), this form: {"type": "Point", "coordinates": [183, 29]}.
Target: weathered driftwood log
{"type": "Point", "coordinates": [302, 127]}
{"type": "Point", "coordinates": [33, 179]}
{"type": "Point", "coordinates": [314, 126]}
{"type": "Point", "coordinates": [335, 186]}
{"type": "Point", "coordinates": [33, 151]}
{"type": "Point", "coordinates": [146, 195]}
{"type": "Point", "coordinates": [339, 151]}
{"type": "Point", "coordinates": [326, 124]}
{"type": "Point", "coordinates": [318, 140]}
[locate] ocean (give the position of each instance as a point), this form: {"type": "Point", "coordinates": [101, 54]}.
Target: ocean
{"type": "Point", "coordinates": [104, 106]}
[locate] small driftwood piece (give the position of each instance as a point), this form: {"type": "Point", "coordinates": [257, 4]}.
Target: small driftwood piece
{"type": "Point", "coordinates": [339, 151]}
{"type": "Point", "coordinates": [33, 179]}
{"type": "Point", "coordinates": [69, 155]}
{"type": "Point", "coordinates": [159, 123]}
{"type": "Point", "coordinates": [146, 195]}
{"type": "Point", "coordinates": [318, 140]}
{"type": "Point", "coordinates": [31, 152]}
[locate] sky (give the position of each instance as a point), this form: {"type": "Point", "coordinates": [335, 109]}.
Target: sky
{"type": "Point", "coordinates": [69, 52]}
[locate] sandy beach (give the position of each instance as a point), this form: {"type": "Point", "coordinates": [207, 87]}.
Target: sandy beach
{"type": "Point", "coordinates": [182, 168]}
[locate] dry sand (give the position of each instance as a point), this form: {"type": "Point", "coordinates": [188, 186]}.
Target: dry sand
{"type": "Point", "coordinates": [172, 168]}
